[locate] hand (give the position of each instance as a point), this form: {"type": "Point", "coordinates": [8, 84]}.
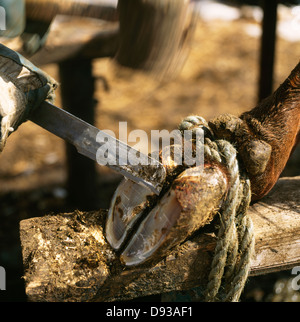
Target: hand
{"type": "Point", "coordinates": [23, 87]}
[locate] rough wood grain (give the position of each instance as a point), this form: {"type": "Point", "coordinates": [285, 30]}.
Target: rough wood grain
{"type": "Point", "coordinates": [277, 228]}
{"type": "Point", "coordinates": [66, 257]}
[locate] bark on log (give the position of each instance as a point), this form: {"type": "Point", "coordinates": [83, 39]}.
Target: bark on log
{"type": "Point", "coordinates": [66, 257]}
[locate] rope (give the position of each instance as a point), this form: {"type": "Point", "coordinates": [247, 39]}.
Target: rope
{"type": "Point", "coordinates": [235, 239]}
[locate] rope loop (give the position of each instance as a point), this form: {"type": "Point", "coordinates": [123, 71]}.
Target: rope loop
{"type": "Point", "coordinates": [235, 238]}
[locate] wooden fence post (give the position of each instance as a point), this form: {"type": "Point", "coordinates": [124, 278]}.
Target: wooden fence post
{"type": "Point", "coordinates": [77, 90]}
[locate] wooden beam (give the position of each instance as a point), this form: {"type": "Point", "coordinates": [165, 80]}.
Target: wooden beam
{"type": "Point", "coordinates": [71, 37]}
{"type": "Point", "coordinates": [46, 10]}
{"type": "Point", "coordinates": [276, 220]}
{"type": "Point", "coordinates": [66, 257]}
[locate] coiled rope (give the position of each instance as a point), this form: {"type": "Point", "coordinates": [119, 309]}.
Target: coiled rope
{"type": "Point", "coordinates": [235, 239]}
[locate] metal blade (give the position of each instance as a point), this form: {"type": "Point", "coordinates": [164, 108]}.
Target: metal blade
{"type": "Point", "coordinates": [83, 136]}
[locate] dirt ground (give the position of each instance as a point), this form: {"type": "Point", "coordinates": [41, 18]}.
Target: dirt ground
{"type": "Point", "coordinates": [220, 76]}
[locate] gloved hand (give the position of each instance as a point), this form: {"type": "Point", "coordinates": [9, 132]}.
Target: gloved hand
{"type": "Point", "coordinates": [23, 87]}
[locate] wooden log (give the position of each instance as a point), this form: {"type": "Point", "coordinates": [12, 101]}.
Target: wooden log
{"type": "Point", "coordinates": [66, 256]}
{"type": "Point", "coordinates": [71, 37]}
{"type": "Point", "coordinates": [46, 10]}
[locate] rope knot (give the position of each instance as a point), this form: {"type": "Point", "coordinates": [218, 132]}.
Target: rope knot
{"type": "Point", "coordinates": [235, 238]}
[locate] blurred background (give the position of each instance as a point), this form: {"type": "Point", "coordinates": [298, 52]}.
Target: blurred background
{"type": "Point", "coordinates": [220, 76]}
